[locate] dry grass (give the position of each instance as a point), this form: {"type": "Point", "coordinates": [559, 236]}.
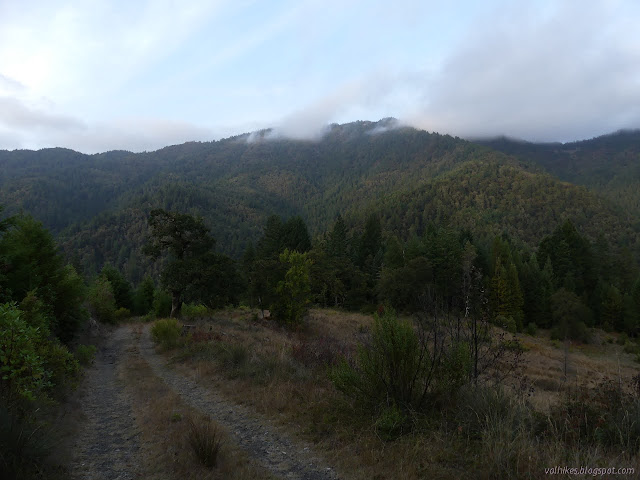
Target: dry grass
{"type": "Point", "coordinates": [291, 387]}
{"type": "Point", "coordinates": [166, 423]}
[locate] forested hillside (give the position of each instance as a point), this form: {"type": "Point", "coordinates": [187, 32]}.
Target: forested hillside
{"type": "Point", "coordinates": [97, 205]}
{"type": "Point", "coordinates": [609, 164]}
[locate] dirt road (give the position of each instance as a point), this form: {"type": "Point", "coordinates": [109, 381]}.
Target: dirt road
{"type": "Point", "coordinates": [108, 446]}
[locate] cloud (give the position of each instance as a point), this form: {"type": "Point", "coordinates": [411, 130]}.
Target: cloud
{"type": "Point", "coordinates": [134, 134]}
{"type": "Point", "coordinates": [9, 85]}
{"type": "Point", "coordinates": [564, 72]}
{"type": "Point", "coordinates": [374, 94]}
{"type": "Point", "coordinates": [14, 114]}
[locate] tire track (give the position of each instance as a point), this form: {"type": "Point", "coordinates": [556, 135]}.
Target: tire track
{"type": "Point", "coordinates": [276, 451]}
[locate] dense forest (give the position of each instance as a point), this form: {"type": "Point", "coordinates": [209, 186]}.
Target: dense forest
{"type": "Point", "coordinates": [379, 211]}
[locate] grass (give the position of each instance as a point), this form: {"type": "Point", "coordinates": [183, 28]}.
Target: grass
{"type": "Point", "coordinates": [176, 442]}
{"type": "Point", "coordinates": [205, 441]}
{"type": "Point", "coordinates": [504, 434]}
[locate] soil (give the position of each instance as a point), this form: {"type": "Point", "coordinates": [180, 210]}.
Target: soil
{"type": "Point", "coordinates": [108, 443]}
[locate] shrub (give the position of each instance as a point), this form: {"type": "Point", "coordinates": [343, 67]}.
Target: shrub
{"type": "Point", "coordinates": [391, 423]}
{"type": "Point", "coordinates": [85, 354]}
{"type": "Point", "coordinates": [22, 369]}
{"type": "Point", "coordinates": [403, 368]}
{"type": "Point", "coordinates": [532, 329]}
{"type": "Point", "coordinates": [122, 314]}
{"type": "Point", "coordinates": [161, 303]}
{"type": "Point", "coordinates": [192, 310]}
{"type": "Point", "coordinates": [623, 338]}
{"type": "Point", "coordinates": [166, 332]}
{"type": "Point", "coordinates": [632, 348]}
{"type": "Point", "coordinates": [205, 442]}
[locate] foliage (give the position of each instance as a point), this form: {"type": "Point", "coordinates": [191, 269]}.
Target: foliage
{"type": "Point", "coordinates": [400, 368]}
{"type": "Point", "coordinates": [191, 270]}
{"type": "Point", "coordinates": [101, 300]}
{"type": "Point", "coordinates": [143, 296]}
{"type": "Point", "coordinates": [122, 292]}
{"type": "Point", "coordinates": [294, 291]}
{"type": "Point", "coordinates": [121, 314]}
{"type": "Point", "coordinates": [161, 303]}
{"type": "Point", "coordinates": [192, 310]}
{"type": "Point", "coordinates": [22, 370]}
{"type": "Point", "coordinates": [32, 366]}
{"type": "Point", "coordinates": [570, 316]}
{"type": "Point", "coordinates": [85, 354]}
{"type": "Point", "coordinates": [166, 332]}
{"type": "Point", "coordinates": [32, 267]}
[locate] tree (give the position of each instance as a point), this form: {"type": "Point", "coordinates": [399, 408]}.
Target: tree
{"type": "Point", "coordinates": [188, 246]}
{"type": "Point", "coordinates": [31, 263]}
{"type": "Point", "coordinates": [121, 287]}
{"type": "Point", "coordinates": [102, 300]}
{"type": "Point", "coordinates": [143, 296]}
{"type": "Point", "coordinates": [570, 316]}
{"type": "Point", "coordinates": [294, 291]}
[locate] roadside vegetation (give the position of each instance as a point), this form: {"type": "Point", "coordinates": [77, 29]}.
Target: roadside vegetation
{"type": "Point", "coordinates": [353, 385]}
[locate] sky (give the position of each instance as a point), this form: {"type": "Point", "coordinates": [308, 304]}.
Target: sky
{"type": "Point", "coordinates": [98, 75]}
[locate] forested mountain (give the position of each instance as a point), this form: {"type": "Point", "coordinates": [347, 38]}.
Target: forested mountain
{"type": "Point", "coordinates": [98, 205]}
{"type": "Point", "coordinates": [609, 164]}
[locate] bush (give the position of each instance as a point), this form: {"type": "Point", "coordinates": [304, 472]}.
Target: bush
{"type": "Point", "coordinates": [85, 354]}
{"type": "Point", "coordinates": [205, 442]}
{"type": "Point", "coordinates": [192, 310]}
{"type": "Point", "coordinates": [161, 303]}
{"type": "Point", "coordinates": [508, 323]}
{"type": "Point", "coordinates": [532, 329]}
{"type": "Point", "coordinates": [122, 314]}
{"type": "Point", "coordinates": [22, 369]}
{"type": "Point", "coordinates": [166, 332]}
{"type": "Point", "coordinates": [391, 423]}
{"type": "Point", "coordinates": [400, 368]}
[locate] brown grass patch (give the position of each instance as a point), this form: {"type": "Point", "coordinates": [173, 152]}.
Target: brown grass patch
{"type": "Point", "coordinates": [284, 376]}
{"type": "Point", "coordinates": [166, 424]}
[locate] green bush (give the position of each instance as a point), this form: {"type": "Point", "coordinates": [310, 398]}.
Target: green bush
{"type": "Point", "coordinates": [192, 310]}
{"type": "Point", "coordinates": [166, 332]}
{"type": "Point", "coordinates": [391, 423]}
{"type": "Point", "coordinates": [22, 369]}
{"type": "Point", "coordinates": [85, 354]}
{"type": "Point", "coordinates": [623, 338]}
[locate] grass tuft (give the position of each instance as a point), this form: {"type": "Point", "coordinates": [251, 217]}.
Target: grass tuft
{"type": "Point", "coordinates": [205, 442]}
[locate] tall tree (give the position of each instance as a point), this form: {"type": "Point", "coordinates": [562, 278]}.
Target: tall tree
{"type": "Point", "coordinates": [188, 246]}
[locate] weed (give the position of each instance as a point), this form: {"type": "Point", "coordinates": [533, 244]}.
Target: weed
{"type": "Point", "coordinates": [85, 354]}
{"type": "Point", "coordinates": [205, 442]}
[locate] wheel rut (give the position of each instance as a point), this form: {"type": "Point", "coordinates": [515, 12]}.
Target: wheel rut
{"type": "Point", "coordinates": [268, 445]}
{"type": "Point", "coordinates": [107, 444]}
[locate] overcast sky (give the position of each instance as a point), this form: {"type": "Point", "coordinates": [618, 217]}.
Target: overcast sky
{"type": "Point", "coordinates": [138, 75]}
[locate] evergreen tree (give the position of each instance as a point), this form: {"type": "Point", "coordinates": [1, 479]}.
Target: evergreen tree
{"type": "Point", "coordinates": [121, 287]}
